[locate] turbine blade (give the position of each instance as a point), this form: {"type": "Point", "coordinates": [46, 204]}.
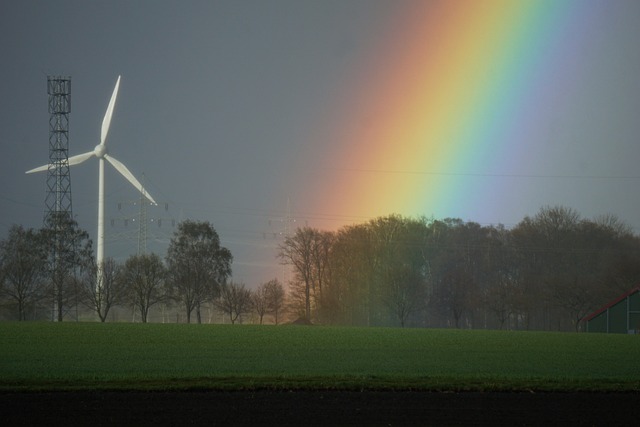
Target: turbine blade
{"type": "Point", "coordinates": [39, 169]}
{"type": "Point", "coordinates": [76, 160]}
{"type": "Point", "coordinates": [107, 116]}
{"type": "Point", "coordinates": [132, 179]}
{"type": "Point", "coordinates": [73, 160]}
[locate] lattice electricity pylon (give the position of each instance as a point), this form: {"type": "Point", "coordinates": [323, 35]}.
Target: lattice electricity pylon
{"type": "Point", "coordinates": [58, 199]}
{"type": "Point", "coordinates": [140, 223]}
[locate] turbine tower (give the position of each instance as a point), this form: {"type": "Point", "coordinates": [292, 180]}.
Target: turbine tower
{"type": "Point", "coordinates": [100, 151]}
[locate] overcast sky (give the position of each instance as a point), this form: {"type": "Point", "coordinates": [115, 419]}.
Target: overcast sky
{"type": "Point", "coordinates": [218, 103]}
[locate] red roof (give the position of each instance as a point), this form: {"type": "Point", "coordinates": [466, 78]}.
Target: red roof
{"type": "Point", "coordinates": [611, 304]}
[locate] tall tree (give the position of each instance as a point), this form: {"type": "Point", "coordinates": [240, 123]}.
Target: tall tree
{"type": "Point", "coordinates": [352, 261]}
{"type": "Point", "coordinates": [197, 265]}
{"type": "Point", "coordinates": [459, 268]}
{"type": "Point", "coordinates": [259, 301]}
{"type": "Point", "coordinates": [400, 268]}
{"type": "Point", "coordinates": [618, 264]}
{"type": "Point", "coordinates": [298, 251]}
{"type": "Point", "coordinates": [295, 299]}
{"type": "Point", "coordinates": [70, 254]}
{"type": "Point", "coordinates": [548, 247]}
{"type": "Point", "coordinates": [501, 277]}
{"type": "Point", "coordinates": [104, 296]}
{"type": "Point", "coordinates": [405, 294]}
{"type": "Point", "coordinates": [321, 273]}
{"type": "Point", "coordinates": [275, 295]}
{"type": "Point", "coordinates": [23, 267]}
{"type": "Point", "coordinates": [234, 300]}
{"type": "Point", "coordinates": [145, 278]}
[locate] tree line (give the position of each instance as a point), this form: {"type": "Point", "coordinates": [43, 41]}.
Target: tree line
{"type": "Point", "coordinates": [51, 273]}
{"type": "Point", "coordinates": [545, 273]}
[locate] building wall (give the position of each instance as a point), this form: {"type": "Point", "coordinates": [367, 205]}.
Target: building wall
{"type": "Point", "coordinates": [598, 323]}
{"type": "Point", "coordinates": [621, 318]}
{"type": "Point", "coordinates": [634, 312]}
{"type": "Point", "coordinates": [618, 318]}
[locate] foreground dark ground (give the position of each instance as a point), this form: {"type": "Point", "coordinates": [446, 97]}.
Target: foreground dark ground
{"type": "Point", "coordinates": [318, 408]}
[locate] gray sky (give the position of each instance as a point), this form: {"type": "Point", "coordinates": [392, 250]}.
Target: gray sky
{"type": "Point", "coordinates": [222, 106]}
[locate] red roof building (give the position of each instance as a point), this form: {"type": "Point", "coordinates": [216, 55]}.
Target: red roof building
{"type": "Point", "coordinates": [621, 315]}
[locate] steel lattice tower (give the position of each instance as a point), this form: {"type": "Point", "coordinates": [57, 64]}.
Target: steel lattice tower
{"type": "Point", "coordinates": [58, 199]}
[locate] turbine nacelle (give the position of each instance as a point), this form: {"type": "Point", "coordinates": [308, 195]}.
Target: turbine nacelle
{"type": "Point", "coordinates": [100, 151]}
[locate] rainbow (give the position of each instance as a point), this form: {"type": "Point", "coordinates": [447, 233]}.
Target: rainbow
{"type": "Point", "coordinates": [442, 103]}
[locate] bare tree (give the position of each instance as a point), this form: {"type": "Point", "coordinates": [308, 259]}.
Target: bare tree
{"type": "Point", "coordinates": [614, 224]}
{"type": "Point", "coordinates": [234, 300]}
{"type": "Point", "coordinates": [499, 300]}
{"type": "Point", "coordinates": [297, 251]}
{"type": "Point", "coordinates": [259, 301]}
{"type": "Point", "coordinates": [307, 251]}
{"type": "Point", "coordinates": [145, 277]}
{"type": "Point", "coordinates": [197, 265]}
{"type": "Point", "coordinates": [101, 297]}
{"type": "Point", "coordinates": [397, 267]}
{"type": "Point", "coordinates": [405, 295]}
{"type": "Point", "coordinates": [320, 257]}
{"type": "Point", "coordinates": [268, 298]}
{"type": "Point", "coordinates": [23, 267]}
{"type": "Point", "coordinates": [70, 254]}
{"type": "Point", "coordinates": [275, 296]}
{"type": "Point", "coordinates": [352, 273]}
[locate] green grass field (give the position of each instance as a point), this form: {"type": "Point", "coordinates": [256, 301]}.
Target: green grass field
{"type": "Point", "coordinates": [64, 356]}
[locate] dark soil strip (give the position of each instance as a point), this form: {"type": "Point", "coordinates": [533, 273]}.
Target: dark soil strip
{"type": "Point", "coordinates": [318, 408]}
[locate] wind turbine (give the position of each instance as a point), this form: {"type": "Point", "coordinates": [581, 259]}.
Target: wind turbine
{"type": "Point", "coordinates": [100, 151]}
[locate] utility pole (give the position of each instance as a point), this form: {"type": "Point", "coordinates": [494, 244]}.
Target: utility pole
{"type": "Point", "coordinates": [144, 218]}
{"type": "Point", "coordinates": [142, 223]}
{"type": "Point", "coordinates": [287, 224]}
